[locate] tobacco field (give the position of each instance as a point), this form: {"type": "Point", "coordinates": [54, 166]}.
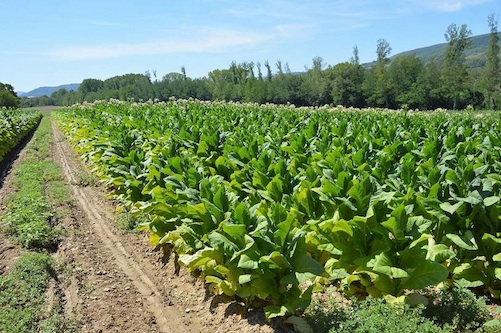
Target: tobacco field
{"type": "Point", "coordinates": [270, 203]}
{"type": "Point", "coordinates": [14, 126]}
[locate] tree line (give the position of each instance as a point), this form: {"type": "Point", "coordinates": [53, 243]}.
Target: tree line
{"type": "Point", "coordinates": [404, 82]}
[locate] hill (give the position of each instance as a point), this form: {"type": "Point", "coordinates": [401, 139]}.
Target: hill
{"type": "Point", "coordinates": [474, 56]}
{"type": "Point", "coordinates": [49, 90]}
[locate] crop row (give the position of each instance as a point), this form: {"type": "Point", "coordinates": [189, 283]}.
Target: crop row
{"type": "Point", "coordinates": [270, 202]}
{"type": "Point", "coordinates": [14, 126]}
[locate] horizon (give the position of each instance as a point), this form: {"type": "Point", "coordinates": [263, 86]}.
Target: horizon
{"type": "Point", "coordinates": [105, 40]}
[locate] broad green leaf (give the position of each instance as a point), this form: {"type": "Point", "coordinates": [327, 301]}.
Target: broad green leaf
{"type": "Point", "coordinates": [300, 324]}
{"type": "Point", "coordinates": [468, 276]}
{"type": "Point", "coordinates": [467, 241]}
{"type": "Point", "coordinates": [273, 311]}
{"type": "Point", "coordinates": [278, 259]}
{"type": "Point", "coordinates": [394, 226]}
{"type": "Point", "coordinates": [342, 226]}
{"type": "Point", "coordinates": [497, 273]}
{"type": "Point", "coordinates": [383, 264]}
{"type": "Point", "coordinates": [489, 201]}
{"type": "Point", "coordinates": [274, 188]}
{"type": "Point", "coordinates": [222, 243]}
{"type": "Point", "coordinates": [304, 268]}
{"type": "Point", "coordinates": [247, 262]}
{"type": "Point", "coordinates": [220, 286]}
{"type": "Point", "coordinates": [451, 209]}
{"type": "Point", "coordinates": [236, 231]}
{"type": "Point", "coordinates": [221, 199]}
{"type": "Point", "coordinates": [415, 299]}
{"type": "Point", "coordinates": [427, 274]}
{"type": "Point", "coordinates": [242, 214]}
{"type": "Point", "coordinates": [245, 278]}
{"type": "Point", "coordinates": [440, 253]}
{"type": "Point", "coordinates": [473, 198]}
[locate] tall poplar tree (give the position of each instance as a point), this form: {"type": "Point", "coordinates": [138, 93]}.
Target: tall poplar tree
{"type": "Point", "coordinates": [492, 70]}
{"type": "Point", "coordinates": [455, 75]}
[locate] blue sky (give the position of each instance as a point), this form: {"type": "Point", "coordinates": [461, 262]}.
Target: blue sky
{"type": "Point", "coordinates": [53, 42]}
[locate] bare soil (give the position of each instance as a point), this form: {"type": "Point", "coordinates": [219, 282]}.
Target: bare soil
{"type": "Point", "coordinates": [115, 281]}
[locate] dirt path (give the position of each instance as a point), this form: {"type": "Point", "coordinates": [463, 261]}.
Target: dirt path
{"type": "Point", "coordinates": [167, 319]}
{"type": "Point", "coordinates": [119, 284]}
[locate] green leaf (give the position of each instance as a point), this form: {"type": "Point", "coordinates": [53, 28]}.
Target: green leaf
{"type": "Point", "coordinates": [300, 324]}
{"type": "Point", "coordinates": [220, 286]}
{"type": "Point", "coordinates": [274, 188]}
{"type": "Point", "coordinates": [451, 209]}
{"type": "Point", "coordinates": [440, 253]}
{"type": "Point", "coordinates": [304, 268]}
{"type": "Point", "coordinates": [382, 263]}
{"type": "Point", "coordinates": [468, 276]}
{"type": "Point", "coordinates": [245, 278]}
{"type": "Point", "coordinates": [427, 274]}
{"type": "Point", "coordinates": [489, 201]}
{"type": "Point", "coordinates": [221, 243]}
{"type": "Point", "coordinates": [247, 262]}
{"type": "Point", "coordinates": [473, 198]}
{"type": "Point", "coordinates": [221, 199]}
{"type": "Point", "coordinates": [396, 229]}
{"type": "Point", "coordinates": [273, 311]}
{"type": "Point", "coordinates": [342, 226]}
{"type": "Point", "coordinates": [242, 214]}
{"type": "Point", "coordinates": [236, 231]}
{"type": "Point", "coordinates": [278, 259]}
{"type": "Point", "coordinates": [467, 241]}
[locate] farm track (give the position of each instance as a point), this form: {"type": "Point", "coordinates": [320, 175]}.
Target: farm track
{"type": "Point", "coordinates": [167, 319]}
{"type": "Point", "coordinates": [120, 284]}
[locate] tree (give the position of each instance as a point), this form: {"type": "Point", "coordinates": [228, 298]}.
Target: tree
{"type": "Point", "coordinates": [429, 94]}
{"type": "Point", "coordinates": [347, 79]}
{"type": "Point", "coordinates": [355, 60]}
{"type": "Point", "coordinates": [376, 85]}
{"type": "Point", "coordinates": [403, 73]}
{"type": "Point", "coordinates": [8, 97]}
{"type": "Point", "coordinates": [383, 50]}
{"type": "Point", "coordinates": [315, 88]}
{"type": "Point", "coordinates": [492, 71]}
{"type": "Point", "coordinates": [90, 85]}
{"type": "Point", "coordinates": [455, 75]}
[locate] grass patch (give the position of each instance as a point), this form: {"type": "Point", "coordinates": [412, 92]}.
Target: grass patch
{"type": "Point", "coordinates": [84, 178]}
{"type": "Point", "coordinates": [452, 311]}
{"type": "Point", "coordinates": [23, 296]}
{"type": "Point", "coordinates": [22, 293]}
{"type": "Point", "coordinates": [128, 222]}
{"type": "Point", "coordinates": [29, 217]}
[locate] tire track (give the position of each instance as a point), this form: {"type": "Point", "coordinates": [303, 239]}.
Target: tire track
{"type": "Point", "coordinates": [169, 319]}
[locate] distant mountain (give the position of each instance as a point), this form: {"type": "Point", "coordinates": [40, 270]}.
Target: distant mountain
{"type": "Point", "coordinates": [48, 90]}
{"type": "Point", "coordinates": [474, 56]}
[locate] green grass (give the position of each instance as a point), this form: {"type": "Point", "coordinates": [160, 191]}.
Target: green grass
{"type": "Point", "coordinates": [452, 311]}
{"type": "Point", "coordinates": [29, 217]}
{"type": "Point", "coordinates": [22, 293]}
{"type": "Point", "coordinates": [23, 298]}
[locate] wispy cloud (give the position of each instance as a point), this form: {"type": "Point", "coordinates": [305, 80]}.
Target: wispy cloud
{"type": "Point", "coordinates": [104, 23]}
{"type": "Point", "coordinates": [210, 41]}
{"type": "Point", "coordinates": [293, 30]}
{"type": "Point", "coordinates": [445, 5]}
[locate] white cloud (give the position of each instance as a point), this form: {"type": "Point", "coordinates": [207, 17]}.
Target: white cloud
{"type": "Point", "coordinates": [293, 30]}
{"type": "Point", "coordinates": [446, 5]}
{"type": "Point", "coordinates": [208, 41]}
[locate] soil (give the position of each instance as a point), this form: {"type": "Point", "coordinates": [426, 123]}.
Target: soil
{"type": "Point", "coordinates": [116, 282]}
